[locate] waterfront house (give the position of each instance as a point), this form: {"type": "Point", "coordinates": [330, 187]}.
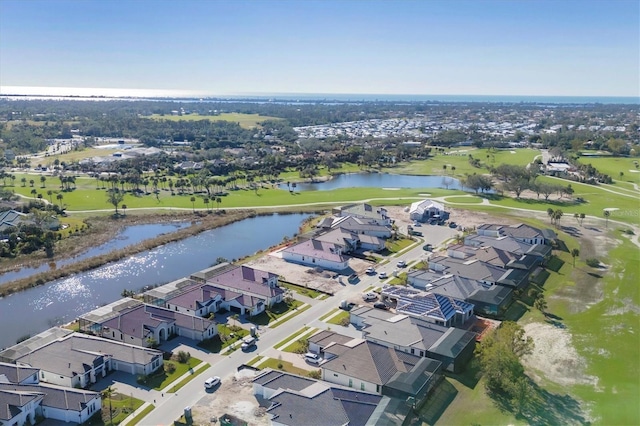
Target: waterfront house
{"type": "Point", "coordinates": [317, 254]}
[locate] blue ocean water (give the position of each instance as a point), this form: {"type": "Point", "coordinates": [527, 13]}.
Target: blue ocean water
{"type": "Point", "coordinates": [105, 94]}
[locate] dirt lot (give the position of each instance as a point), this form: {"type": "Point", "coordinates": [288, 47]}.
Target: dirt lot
{"type": "Point", "coordinates": [234, 396]}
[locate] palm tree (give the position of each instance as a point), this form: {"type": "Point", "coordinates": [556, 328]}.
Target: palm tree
{"type": "Point", "coordinates": [575, 253]}
{"type": "Point", "coordinates": [50, 194]}
{"type": "Point", "coordinates": [59, 197]}
{"type": "Point", "coordinates": [607, 213]}
{"type": "Point", "coordinates": [124, 209]}
{"type": "Point", "coordinates": [107, 393]}
{"type": "Point", "coordinates": [206, 202]}
{"type": "Point", "coordinates": [540, 304]}
{"type": "Point", "coordinates": [582, 216]}
{"type": "Point", "coordinates": [34, 192]}
{"type": "Point", "coordinates": [43, 180]}
{"type": "Point", "coordinates": [218, 201]}
{"type": "Point", "coordinates": [24, 181]}
{"type": "Point", "coordinates": [193, 203]}
{"type": "Point", "coordinates": [550, 213]}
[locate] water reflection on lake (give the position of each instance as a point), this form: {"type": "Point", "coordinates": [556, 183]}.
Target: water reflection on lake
{"type": "Point", "coordinates": [129, 236]}
{"type": "Point", "coordinates": [378, 180]}
{"type": "Point", "coordinates": [34, 310]}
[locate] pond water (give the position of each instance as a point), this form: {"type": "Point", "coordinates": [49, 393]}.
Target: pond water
{"type": "Point", "coordinates": [129, 236]}
{"type": "Point", "coordinates": [378, 180]}
{"type": "Point", "coordinates": [61, 301]}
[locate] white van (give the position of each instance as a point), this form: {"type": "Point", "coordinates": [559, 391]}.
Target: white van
{"type": "Point", "coordinates": [247, 342]}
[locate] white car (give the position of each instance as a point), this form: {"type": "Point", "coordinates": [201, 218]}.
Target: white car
{"type": "Point", "coordinates": [371, 270]}
{"type": "Point", "coordinates": [382, 275]}
{"type": "Point", "coordinates": [402, 264]}
{"type": "Point", "coordinates": [369, 296]}
{"type": "Point", "coordinates": [312, 358]}
{"type": "Point", "coordinates": [212, 382]}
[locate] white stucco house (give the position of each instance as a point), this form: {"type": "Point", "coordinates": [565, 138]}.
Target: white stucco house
{"type": "Point", "coordinates": [317, 253]}
{"type": "Point", "coordinates": [422, 211]}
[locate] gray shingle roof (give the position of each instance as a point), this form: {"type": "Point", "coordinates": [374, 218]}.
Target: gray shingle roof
{"type": "Point", "coordinates": [53, 396]}
{"type": "Point", "coordinates": [15, 373]}
{"type": "Point", "coordinates": [368, 361]}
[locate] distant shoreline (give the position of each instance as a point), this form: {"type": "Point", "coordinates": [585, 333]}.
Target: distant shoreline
{"type": "Point", "coordinates": [105, 94]}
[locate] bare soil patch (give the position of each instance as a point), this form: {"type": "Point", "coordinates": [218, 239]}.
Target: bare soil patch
{"type": "Point", "coordinates": [233, 396]}
{"type": "Point", "coordinates": [554, 357]}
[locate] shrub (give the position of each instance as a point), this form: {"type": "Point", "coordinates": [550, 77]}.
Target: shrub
{"type": "Point", "coordinates": [280, 366]}
{"type": "Point", "coordinates": [315, 374]}
{"type": "Point", "coordinates": [593, 262]}
{"type": "Point", "coordinates": [183, 357]}
{"type": "Point", "coordinates": [170, 367]}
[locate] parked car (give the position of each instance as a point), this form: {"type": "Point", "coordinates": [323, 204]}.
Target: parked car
{"type": "Point", "coordinates": [248, 342]}
{"type": "Point", "coordinates": [369, 296]}
{"type": "Point", "coordinates": [312, 358]}
{"type": "Point", "coordinates": [452, 225]}
{"type": "Point", "coordinates": [401, 264]}
{"type": "Point", "coordinates": [382, 275]}
{"type": "Point", "coordinates": [371, 270]}
{"type": "Point", "coordinates": [380, 305]}
{"type": "Point", "coordinates": [417, 224]}
{"type": "Point", "coordinates": [212, 382]}
{"type": "Point", "coordinates": [427, 247]}
{"type": "Point", "coordinates": [352, 278]}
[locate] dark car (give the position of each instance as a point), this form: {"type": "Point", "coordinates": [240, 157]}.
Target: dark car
{"type": "Point", "coordinates": [380, 305]}
{"type": "Point", "coordinates": [452, 225]}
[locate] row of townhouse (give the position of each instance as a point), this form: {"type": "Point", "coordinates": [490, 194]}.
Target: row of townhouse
{"type": "Point", "coordinates": [351, 229]}
{"type": "Point", "coordinates": [487, 267]}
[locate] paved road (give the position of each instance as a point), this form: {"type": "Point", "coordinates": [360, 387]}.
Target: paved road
{"type": "Point", "coordinates": [170, 406]}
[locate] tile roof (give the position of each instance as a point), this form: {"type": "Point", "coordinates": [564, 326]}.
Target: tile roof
{"type": "Point", "coordinates": [59, 397]}
{"type": "Point", "coordinates": [317, 249]}
{"type": "Point", "coordinates": [246, 279]}
{"type": "Point", "coordinates": [368, 361]}
{"type": "Point", "coordinates": [303, 401]}
{"type": "Point", "coordinates": [15, 373]}
{"type": "Point", "coordinates": [76, 353]}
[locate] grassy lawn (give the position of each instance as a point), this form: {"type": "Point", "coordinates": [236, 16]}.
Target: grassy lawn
{"type": "Point", "coordinates": [464, 200]}
{"type": "Point", "coordinates": [162, 379]}
{"type": "Point", "coordinates": [121, 407]}
{"type": "Point", "coordinates": [285, 366]}
{"type": "Point", "coordinates": [612, 166]}
{"type": "Point", "coordinates": [291, 338]}
{"type": "Point", "coordinates": [275, 312]}
{"type": "Point", "coordinates": [328, 314]}
{"type": "Point", "coordinates": [255, 360]}
{"type": "Point", "coordinates": [396, 246]}
{"type": "Point", "coordinates": [137, 419]}
{"type": "Point", "coordinates": [338, 319]}
{"type": "Point", "coordinates": [246, 121]}
{"type": "Point", "coordinates": [309, 292]}
{"type": "Point", "coordinates": [227, 336]}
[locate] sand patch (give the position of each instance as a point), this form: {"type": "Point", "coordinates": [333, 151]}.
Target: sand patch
{"type": "Point", "coordinates": [390, 189]}
{"type": "Point", "coordinates": [554, 358]}
{"type": "Point", "coordinates": [634, 171]}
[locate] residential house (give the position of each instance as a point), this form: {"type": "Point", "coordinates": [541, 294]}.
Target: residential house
{"type": "Point", "coordinates": [436, 308]}
{"type": "Point", "coordinates": [17, 374]}
{"type": "Point", "coordinates": [520, 232]}
{"type": "Point", "coordinates": [487, 299]}
{"type": "Point", "coordinates": [297, 400]}
{"type": "Point", "coordinates": [480, 271]}
{"type": "Point", "coordinates": [79, 360]}
{"type": "Point", "coordinates": [375, 368]}
{"type": "Point", "coordinates": [422, 211]}
{"type": "Point", "coordinates": [365, 211]}
{"type": "Point", "coordinates": [22, 404]}
{"type": "Point", "coordinates": [511, 245]}
{"type": "Point", "coordinates": [317, 254]}
{"type": "Point", "coordinates": [356, 225]}
{"type": "Point", "coordinates": [451, 346]}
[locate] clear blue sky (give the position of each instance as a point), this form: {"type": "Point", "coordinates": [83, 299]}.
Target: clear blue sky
{"type": "Point", "coordinates": [519, 47]}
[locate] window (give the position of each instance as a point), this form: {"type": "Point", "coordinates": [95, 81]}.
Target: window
{"type": "Point", "coordinates": [350, 383]}
{"type": "Point", "coordinates": [335, 375]}
{"type": "Point", "coordinates": [361, 386]}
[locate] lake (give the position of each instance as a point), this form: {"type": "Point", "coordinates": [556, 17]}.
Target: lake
{"type": "Point", "coordinates": [377, 180]}
{"type": "Point", "coordinates": [34, 310]}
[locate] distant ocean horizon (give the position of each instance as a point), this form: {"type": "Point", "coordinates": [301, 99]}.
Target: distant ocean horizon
{"type": "Point", "coordinates": [32, 92]}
